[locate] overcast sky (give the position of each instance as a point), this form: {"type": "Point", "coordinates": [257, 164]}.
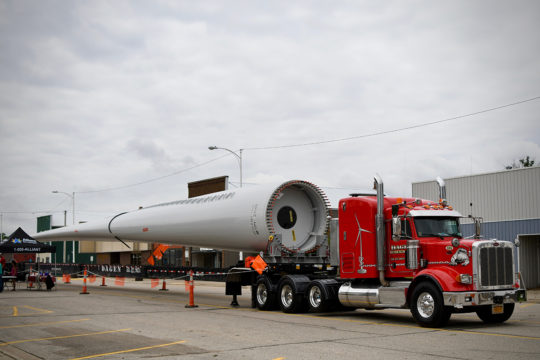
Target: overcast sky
{"type": "Point", "coordinates": [97, 95]}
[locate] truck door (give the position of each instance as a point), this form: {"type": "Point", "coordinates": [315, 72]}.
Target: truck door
{"type": "Point", "coordinates": [396, 250]}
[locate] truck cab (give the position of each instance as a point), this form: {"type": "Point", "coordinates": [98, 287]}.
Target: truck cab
{"type": "Point", "coordinates": [428, 266]}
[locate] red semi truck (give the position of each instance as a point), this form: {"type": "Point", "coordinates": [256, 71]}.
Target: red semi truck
{"type": "Point", "coordinates": [385, 252]}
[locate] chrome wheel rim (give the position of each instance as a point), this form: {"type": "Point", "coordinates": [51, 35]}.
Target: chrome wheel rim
{"type": "Point", "coordinates": [425, 305]}
{"type": "Point", "coordinates": [315, 297]}
{"type": "Point", "coordinates": [287, 295]}
{"type": "Point", "coordinates": [262, 294]}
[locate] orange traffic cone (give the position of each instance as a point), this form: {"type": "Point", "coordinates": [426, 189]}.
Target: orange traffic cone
{"type": "Point", "coordinates": [84, 289]}
{"type": "Point", "coordinates": [191, 295]}
{"type": "Point", "coordinates": [164, 287]}
{"type": "Point", "coordinates": [103, 281]}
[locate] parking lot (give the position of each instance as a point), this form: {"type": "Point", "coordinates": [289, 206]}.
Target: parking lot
{"type": "Point", "coordinates": [139, 321]}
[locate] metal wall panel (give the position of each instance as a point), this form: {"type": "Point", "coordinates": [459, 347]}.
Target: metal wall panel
{"type": "Point", "coordinates": [529, 254]}
{"type": "Point", "coordinates": [528, 232]}
{"type": "Point", "coordinates": [499, 196]}
{"type": "Point", "coordinates": [504, 230]}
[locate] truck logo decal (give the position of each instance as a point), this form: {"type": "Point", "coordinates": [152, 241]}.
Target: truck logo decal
{"type": "Point", "coordinates": [359, 237]}
{"type": "Point", "coordinates": [460, 257]}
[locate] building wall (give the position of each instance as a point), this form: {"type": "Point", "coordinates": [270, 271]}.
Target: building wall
{"type": "Point", "coordinates": [499, 196]}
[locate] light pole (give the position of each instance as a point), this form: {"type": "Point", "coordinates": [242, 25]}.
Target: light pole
{"type": "Point", "coordinates": [72, 196]}
{"type": "Point", "coordinates": [238, 156]}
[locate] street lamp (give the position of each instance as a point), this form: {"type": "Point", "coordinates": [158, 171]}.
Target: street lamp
{"type": "Point", "coordinates": [72, 196]}
{"type": "Point", "coordinates": [238, 156]}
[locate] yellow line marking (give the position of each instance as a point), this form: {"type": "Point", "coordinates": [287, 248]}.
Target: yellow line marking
{"type": "Point", "coordinates": [129, 350]}
{"type": "Point", "coordinates": [279, 358]}
{"type": "Point", "coordinates": [38, 310]}
{"type": "Point", "coordinates": [62, 337]}
{"type": "Point", "coordinates": [15, 311]}
{"type": "Point", "coordinates": [43, 323]}
{"type": "Point", "coordinates": [526, 305]}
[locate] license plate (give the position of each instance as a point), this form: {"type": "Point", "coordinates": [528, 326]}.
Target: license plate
{"type": "Point", "coordinates": [497, 308]}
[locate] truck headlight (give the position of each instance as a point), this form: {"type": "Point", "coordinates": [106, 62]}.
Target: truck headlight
{"type": "Point", "coordinates": [464, 279]}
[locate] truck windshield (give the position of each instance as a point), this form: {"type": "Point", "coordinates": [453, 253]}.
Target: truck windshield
{"type": "Point", "coordinates": [437, 226]}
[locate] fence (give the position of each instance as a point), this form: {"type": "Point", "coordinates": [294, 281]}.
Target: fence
{"type": "Point", "coordinates": [134, 271]}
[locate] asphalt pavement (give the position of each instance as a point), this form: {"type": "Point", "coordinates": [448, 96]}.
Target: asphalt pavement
{"type": "Point", "coordinates": [138, 320]}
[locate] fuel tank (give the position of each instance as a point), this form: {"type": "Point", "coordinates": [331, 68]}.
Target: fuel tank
{"type": "Point", "coordinates": [240, 219]}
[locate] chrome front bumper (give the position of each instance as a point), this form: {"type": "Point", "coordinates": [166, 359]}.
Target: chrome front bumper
{"type": "Point", "coordinates": [474, 298]}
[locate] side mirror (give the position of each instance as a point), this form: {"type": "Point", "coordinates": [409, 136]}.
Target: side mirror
{"type": "Point", "coordinates": [477, 227]}
{"type": "Point", "coordinates": [396, 228]}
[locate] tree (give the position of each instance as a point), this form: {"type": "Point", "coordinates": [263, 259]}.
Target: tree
{"type": "Point", "coordinates": [523, 163]}
{"type": "Point", "coordinates": [526, 162]}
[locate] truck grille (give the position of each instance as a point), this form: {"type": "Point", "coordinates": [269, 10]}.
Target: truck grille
{"type": "Point", "coordinates": [496, 266]}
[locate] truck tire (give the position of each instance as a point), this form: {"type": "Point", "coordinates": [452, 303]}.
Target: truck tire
{"type": "Point", "coordinates": [484, 313]}
{"type": "Point", "coordinates": [290, 299]}
{"type": "Point", "coordinates": [427, 306]}
{"type": "Point", "coordinates": [264, 294]}
{"type": "Point", "coordinates": [318, 297]}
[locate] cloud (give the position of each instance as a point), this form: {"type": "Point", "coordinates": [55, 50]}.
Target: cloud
{"type": "Point", "coordinates": [100, 95]}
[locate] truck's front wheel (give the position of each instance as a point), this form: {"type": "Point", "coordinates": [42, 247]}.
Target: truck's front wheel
{"type": "Point", "coordinates": [427, 306]}
{"type": "Point", "coordinates": [485, 313]}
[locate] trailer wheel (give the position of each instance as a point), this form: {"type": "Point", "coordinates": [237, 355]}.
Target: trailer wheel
{"type": "Point", "coordinates": [318, 299]}
{"type": "Point", "coordinates": [264, 296]}
{"type": "Point", "coordinates": [484, 313]}
{"type": "Point", "coordinates": [290, 300]}
{"type": "Point", "coordinates": [427, 306]}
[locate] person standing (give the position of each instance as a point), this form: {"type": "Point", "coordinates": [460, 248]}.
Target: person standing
{"type": "Point", "coordinates": [14, 273]}
{"type": "Point", "coordinates": [1, 280]}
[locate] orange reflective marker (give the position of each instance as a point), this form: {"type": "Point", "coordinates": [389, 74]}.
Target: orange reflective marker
{"type": "Point", "coordinates": [249, 260]}
{"type": "Point", "coordinates": [259, 265]}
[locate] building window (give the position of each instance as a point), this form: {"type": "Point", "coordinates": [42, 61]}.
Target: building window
{"type": "Point", "coordinates": [135, 259]}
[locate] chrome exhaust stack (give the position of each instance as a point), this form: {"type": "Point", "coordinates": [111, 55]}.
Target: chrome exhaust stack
{"type": "Point", "coordinates": [379, 223]}
{"type": "Point", "coordinates": [442, 190]}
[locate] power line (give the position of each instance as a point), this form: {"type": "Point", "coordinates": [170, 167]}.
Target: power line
{"type": "Point", "coordinates": [314, 143]}
{"type": "Point", "coordinates": [154, 179]}
{"type": "Point", "coordinates": [394, 130]}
